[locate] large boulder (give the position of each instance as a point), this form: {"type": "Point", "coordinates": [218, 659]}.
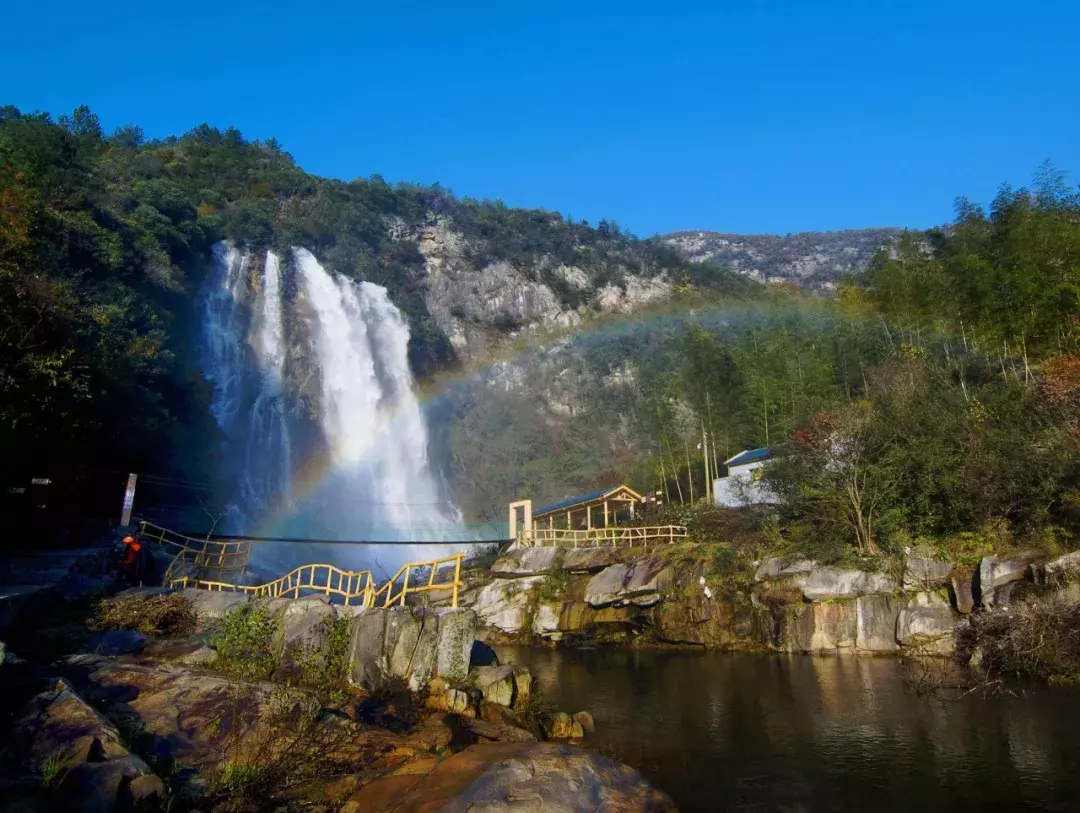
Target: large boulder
{"type": "Point", "coordinates": [1061, 577]}
{"type": "Point", "coordinates": [303, 628]}
{"type": "Point", "coordinates": [999, 575]}
{"type": "Point", "coordinates": [91, 768]}
{"type": "Point", "coordinates": [819, 627]}
{"type": "Point", "coordinates": [642, 583]}
{"type": "Point", "coordinates": [546, 621]}
{"type": "Point", "coordinates": [925, 571]}
{"type": "Point", "coordinates": [410, 645]}
{"type": "Point", "coordinates": [529, 776]}
{"type": "Point", "coordinates": [367, 649]}
{"type": "Point", "coordinates": [527, 562]}
{"type": "Point", "coordinates": [503, 604]}
{"type": "Point", "coordinates": [714, 622]}
{"type": "Point", "coordinates": [577, 621]}
{"type": "Point", "coordinates": [927, 627]}
{"type": "Point", "coordinates": [961, 584]}
{"type": "Point", "coordinates": [593, 560]}
{"type": "Point", "coordinates": [876, 618]}
{"type": "Point", "coordinates": [782, 568]}
{"type": "Point", "coordinates": [824, 583]}
{"type": "Point", "coordinates": [210, 605]}
{"type": "Point", "coordinates": [506, 685]}
{"type": "Point", "coordinates": [453, 647]}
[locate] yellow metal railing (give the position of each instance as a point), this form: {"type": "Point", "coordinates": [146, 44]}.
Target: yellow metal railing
{"type": "Point", "coordinates": [414, 577]}
{"type": "Point", "coordinates": [405, 574]}
{"type": "Point", "coordinates": [615, 536]}
{"type": "Point", "coordinates": [199, 555]}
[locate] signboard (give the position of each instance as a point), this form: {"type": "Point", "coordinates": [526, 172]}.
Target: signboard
{"type": "Point", "coordinates": [40, 481]}
{"type": "Point", "coordinates": [129, 500]}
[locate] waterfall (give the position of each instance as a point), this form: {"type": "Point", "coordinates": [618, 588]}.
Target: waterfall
{"type": "Point", "coordinates": [381, 484]}
{"type": "Point", "coordinates": [365, 437]}
{"type": "Point", "coordinates": [268, 464]}
{"type": "Point", "coordinates": [244, 362]}
{"type": "Point", "coordinates": [224, 331]}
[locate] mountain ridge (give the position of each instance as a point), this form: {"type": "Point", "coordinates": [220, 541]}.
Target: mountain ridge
{"type": "Point", "coordinates": [814, 260]}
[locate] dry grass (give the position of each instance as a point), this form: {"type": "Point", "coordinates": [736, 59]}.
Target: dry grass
{"type": "Point", "coordinates": [777, 595]}
{"type": "Point", "coordinates": [166, 614]}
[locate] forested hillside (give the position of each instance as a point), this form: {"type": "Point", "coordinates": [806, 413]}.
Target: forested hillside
{"type": "Point", "coordinates": [105, 243]}
{"type": "Point", "coordinates": [935, 398]}
{"type": "Point", "coordinates": [936, 395]}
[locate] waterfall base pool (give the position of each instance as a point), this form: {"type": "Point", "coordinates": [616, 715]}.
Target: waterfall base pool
{"type": "Point", "coordinates": [800, 733]}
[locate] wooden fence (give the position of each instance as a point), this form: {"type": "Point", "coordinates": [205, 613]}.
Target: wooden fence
{"type": "Point", "coordinates": [615, 537]}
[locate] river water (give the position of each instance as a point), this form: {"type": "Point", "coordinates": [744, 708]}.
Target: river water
{"type": "Point", "coordinates": [800, 733]}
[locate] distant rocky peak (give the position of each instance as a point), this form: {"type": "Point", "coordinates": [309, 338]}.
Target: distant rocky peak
{"type": "Point", "coordinates": [811, 260]}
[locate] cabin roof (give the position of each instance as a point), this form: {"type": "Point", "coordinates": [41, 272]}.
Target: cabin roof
{"type": "Point", "coordinates": [749, 456]}
{"type": "Point", "coordinates": [585, 499]}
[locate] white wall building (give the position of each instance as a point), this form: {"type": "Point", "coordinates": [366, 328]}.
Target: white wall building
{"type": "Point", "coordinates": [744, 486]}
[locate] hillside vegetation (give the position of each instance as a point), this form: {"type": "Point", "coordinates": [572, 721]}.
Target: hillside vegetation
{"type": "Point", "coordinates": [105, 244]}
{"type": "Point", "coordinates": [935, 396]}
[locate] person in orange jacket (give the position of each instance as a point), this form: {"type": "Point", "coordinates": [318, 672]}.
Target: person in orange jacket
{"type": "Point", "coordinates": [130, 559]}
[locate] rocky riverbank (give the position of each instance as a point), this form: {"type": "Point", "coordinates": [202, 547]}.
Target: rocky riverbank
{"type": "Point", "coordinates": [677, 596]}
{"type": "Point", "coordinates": [292, 704]}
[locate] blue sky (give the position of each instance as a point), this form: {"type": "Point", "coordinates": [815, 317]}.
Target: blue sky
{"type": "Point", "coordinates": [745, 117]}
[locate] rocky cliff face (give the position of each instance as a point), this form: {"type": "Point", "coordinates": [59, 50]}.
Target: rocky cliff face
{"type": "Point", "coordinates": [477, 303]}
{"type": "Point", "coordinates": [812, 260]}
{"type": "Point", "coordinates": [669, 597]}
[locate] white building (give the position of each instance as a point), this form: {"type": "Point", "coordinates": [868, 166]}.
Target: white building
{"type": "Point", "coordinates": [744, 486]}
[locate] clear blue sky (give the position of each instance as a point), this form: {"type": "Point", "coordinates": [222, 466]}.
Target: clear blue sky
{"type": "Point", "coordinates": [746, 117]}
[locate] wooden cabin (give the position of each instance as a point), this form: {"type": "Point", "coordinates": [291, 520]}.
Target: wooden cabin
{"type": "Point", "coordinates": [605, 508]}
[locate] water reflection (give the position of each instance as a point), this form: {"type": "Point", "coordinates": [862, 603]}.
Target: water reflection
{"type": "Point", "coordinates": [746, 732]}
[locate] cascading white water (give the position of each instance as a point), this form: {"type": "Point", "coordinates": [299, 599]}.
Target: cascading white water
{"type": "Point", "coordinates": [248, 404]}
{"type": "Point", "coordinates": [266, 480]}
{"type": "Point", "coordinates": [381, 483]}
{"type": "Point", "coordinates": [378, 482]}
{"type": "Point", "coordinates": [224, 328]}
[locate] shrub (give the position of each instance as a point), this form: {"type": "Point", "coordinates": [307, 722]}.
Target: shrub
{"type": "Point", "coordinates": [776, 595]}
{"type": "Point", "coordinates": [245, 641]}
{"type": "Point", "coordinates": [552, 586]}
{"type": "Point", "coordinates": [326, 670]}
{"type": "Point", "coordinates": [1038, 639]}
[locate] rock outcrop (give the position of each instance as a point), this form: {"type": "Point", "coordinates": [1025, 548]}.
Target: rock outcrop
{"type": "Point", "coordinates": [630, 596]}
{"type": "Point", "coordinates": [822, 583]}
{"type": "Point", "coordinates": [503, 605]}
{"type": "Point", "coordinates": [527, 562]}
{"type": "Point", "coordinates": [410, 645]}
{"type": "Point", "coordinates": [1000, 576]}
{"type": "Point", "coordinates": [83, 762]}
{"type": "Point", "coordinates": [642, 583]}
{"type": "Point", "coordinates": [548, 777]}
